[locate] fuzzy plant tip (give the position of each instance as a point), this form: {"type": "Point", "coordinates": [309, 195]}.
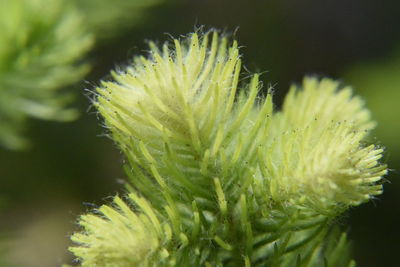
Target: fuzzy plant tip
{"type": "Point", "coordinates": [117, 236]}
{"type": "Point", "coordinates": [217, 177]}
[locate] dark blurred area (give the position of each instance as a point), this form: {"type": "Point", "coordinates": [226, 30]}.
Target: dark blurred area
{"type": "Point", "coordinates": [72, 167]}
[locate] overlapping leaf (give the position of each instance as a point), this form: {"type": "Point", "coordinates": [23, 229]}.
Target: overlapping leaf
{"type": "Point", "coordinates": [235, 183]}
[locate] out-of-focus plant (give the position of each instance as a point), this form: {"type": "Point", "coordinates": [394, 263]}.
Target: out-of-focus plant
{"type": "Point", "coordinates": [41, 46]}
{"type": "Point", "coordinates": [378, 81]}
{"type": "Point", "coordinates": [220, 179]}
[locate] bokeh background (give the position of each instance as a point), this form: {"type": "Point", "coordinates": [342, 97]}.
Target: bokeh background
{"type": "Point", "coordinates": [72, 167]}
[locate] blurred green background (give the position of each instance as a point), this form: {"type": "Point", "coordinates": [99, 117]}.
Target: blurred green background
{"type": "Point", "coordinates": [72, 167]}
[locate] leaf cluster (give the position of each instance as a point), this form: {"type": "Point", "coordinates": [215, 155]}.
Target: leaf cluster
{"type": "Point", "coordinates": [217, 177]}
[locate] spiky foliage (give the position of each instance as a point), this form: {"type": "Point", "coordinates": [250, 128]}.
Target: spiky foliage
{"type": "Point", "coordinates": [139, 235]}
{"type": "Point", "coordinates": [41, 45]}
{"type": "Point", "coordinates": [317, 143]}
{"type": "Point", "coordinates": [232, 182]}
{"type": "Point", "coordinates": [381, 73]}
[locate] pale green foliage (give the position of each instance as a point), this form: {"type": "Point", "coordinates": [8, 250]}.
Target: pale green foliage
{"type": "Point", "coordinates": [120, 237]}
{"type": "Point", "coordinates": [41, 48]}
{"type": "Point", "coordinates": [318, 151]}
{"type": "Point", "coordinates": [378, 80]}
{"type": "Point", "coordinates": [235, 183]}
{"type": "Point", "coordinates": [41, 44]}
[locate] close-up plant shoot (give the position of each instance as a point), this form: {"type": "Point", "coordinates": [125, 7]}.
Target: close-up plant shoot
{"type": "Point", "coordinates": [146, 133]}
{"type": "Point", "coordinates": [217, 176]}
